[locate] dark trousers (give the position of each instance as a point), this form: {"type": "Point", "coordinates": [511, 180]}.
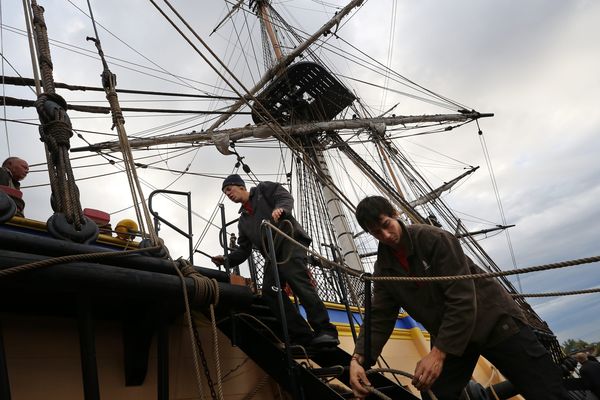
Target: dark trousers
{"type": "Point", "coordinates": [293, 271]}
{"type": "Point", "coordinates": [521, 359]}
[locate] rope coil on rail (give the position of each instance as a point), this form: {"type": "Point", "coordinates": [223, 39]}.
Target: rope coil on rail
{"type": "Point", "coordinates": [206, 290]}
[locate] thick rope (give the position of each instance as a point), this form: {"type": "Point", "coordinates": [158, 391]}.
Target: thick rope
{"type": "Point", "coordinates": [263, 237]}
{"type": "Point", "coordinates": [330, 264]}
{"type": "Point", "coordinates": [257, 388]}
{"type": "Point", "coordinates": [377, 393]}
{"type": "Point", "coordinates": [188, 317]}
{"type": "Point", "coordinates": [32, 51]}
{"type": "Point", "coordinates": [217, 352]}
{"type": "Point", "coordinates": [267, 118]}
{"type": "Point", "coordinates": [55, 130]}
{"type": "Point", "coordinates": [397, 372]}
{"type": "Point", "coordinates": [69, 259]}
{"type": "Point", "coordinates": [262, 324]}
{"type": "Point", "coordinates": [109, 82]}
{"type": "Point", "coordinates": [489, 382]}
{"type": "Point", "coordinates": [206, 292]}
{"type": "Point", "coordinates": [485, 275]}
{"type": "Point", "coordinates": [553, 294]}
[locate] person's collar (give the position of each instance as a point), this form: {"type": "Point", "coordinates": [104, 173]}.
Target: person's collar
{"type": "Point", "coordinates": [9, 172]}
{"type": "Point", "coordinates": [406, 240]}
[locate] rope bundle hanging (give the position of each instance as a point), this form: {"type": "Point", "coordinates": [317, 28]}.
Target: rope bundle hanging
{"type": "Point", "coordinates": [68, 221]}
{"type": "Point", "coordinates": [206, 290]}
{"type": "Point", "coordinates": [109, 83]}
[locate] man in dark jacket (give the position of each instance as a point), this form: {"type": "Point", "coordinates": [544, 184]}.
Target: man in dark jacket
{"type": "Point", "coordinates": [269, 200]}
{"type": "Point", "coordinates": [590, 373]}
{"type": "Point", "coordinates": [465, 318]}
{"type": "Point", "coordinates": [13, 171]}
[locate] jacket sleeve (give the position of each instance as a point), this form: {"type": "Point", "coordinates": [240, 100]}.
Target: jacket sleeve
{"type": "Point", "coordinates": [242, 252]}
{"type": "Point", "coordinates": [459, 297]}
{"type": "Point", "coordinates": [384, 314]}
{"type": "Point", "coordinates": [278, 196]}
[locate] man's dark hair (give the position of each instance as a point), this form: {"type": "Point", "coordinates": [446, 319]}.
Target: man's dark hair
{"type": "Point", "coordinates": [370, 209]}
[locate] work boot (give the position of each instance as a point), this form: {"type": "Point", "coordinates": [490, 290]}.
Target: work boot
{"type": "Point", "coordinates": [324, 339]}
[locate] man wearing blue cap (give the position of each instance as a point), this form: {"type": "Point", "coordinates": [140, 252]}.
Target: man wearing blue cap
{"type": "Point", "coordinates": [270, 200]}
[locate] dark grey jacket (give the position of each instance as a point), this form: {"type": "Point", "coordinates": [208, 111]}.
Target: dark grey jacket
{"type": "Point", "coordinates": [6, 179]}
{"type": "Point", "coordinates": [455, 313]}
{"type": "Point", "coordinates": [264, 198]}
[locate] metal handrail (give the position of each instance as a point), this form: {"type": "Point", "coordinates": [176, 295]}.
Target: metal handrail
{"type": "Point", "coordinates": [189, 234]}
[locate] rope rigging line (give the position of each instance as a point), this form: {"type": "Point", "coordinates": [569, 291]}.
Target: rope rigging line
{"type": "Point", "coordinates": [180, 265]}
{"type": "Point", "coordinates": [181, 79]}
{"type": "Point", "coordinates": [4, 59]}
{"type": "Point", "coordinates": [21, 81]}
{"type": "Point", "coordinates": [93, 109]}
{"type": "Point", "coordinates": [56, 132]}
{"type": "Point", "coordinates": [497, 195]}
{"type": "Point", "coordinates": [109, 84]}
{"type": "Point", "coordinates": [420, 88]}
{"type": "Point", "coordinates": [3, 80]}
{"type": "Point", "coordinates": [284, 26]}
{"type": "Point", "coordinates": [391, 38]}
{"type": "Point", "coordinates": [409, 169]}
{"type": "Point", "coordinates": [399, 372]}
{"type": "Point", "coordinates": [484, 275]}
{"type": "Point", "coordinates": [32, 49]}
{"type": "Point", "coordinates": [114, 163]}
{"type": "Point", "coordinates": [557, 294]}
{"type": "Point", "coordinates": [122, 64]}
{"type": "Point", "coordinates": [69, 259]}
{"type": "Point", "coordinates": [206, 291]}
{"type": "Point", "coordinates": [269, 120]}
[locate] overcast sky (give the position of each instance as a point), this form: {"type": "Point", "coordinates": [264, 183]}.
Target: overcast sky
{"type": "Point", "coordinates": [533, 64]}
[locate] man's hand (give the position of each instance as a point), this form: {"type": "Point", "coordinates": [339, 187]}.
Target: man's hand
{"type": "Point", "coordinates": [428, 369]}
{"type": "Point", "coordinates": [277, 213]}
{"type": "Point", "coordinates": [358, 377]}
{"type": "Point", "coordinates": [218, 260]}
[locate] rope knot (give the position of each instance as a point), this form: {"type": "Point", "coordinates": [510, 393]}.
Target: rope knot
{"type": "Point", "coordinates": [186, 268]}
{"type": "Point", "coordinates": [52, 107]}
{"type": "Point", "coordinates": [59, 132]}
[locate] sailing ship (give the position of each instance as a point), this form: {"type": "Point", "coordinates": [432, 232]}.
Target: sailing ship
{"type": "Point", "coordinates": [119, 326]}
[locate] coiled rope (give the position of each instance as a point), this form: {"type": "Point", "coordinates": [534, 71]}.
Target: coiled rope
{"type": "Point", "coordinates": [265, 251]}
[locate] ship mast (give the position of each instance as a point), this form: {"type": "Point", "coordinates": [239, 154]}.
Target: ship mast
{"type": "Point", "coordinates": [343, 233]}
